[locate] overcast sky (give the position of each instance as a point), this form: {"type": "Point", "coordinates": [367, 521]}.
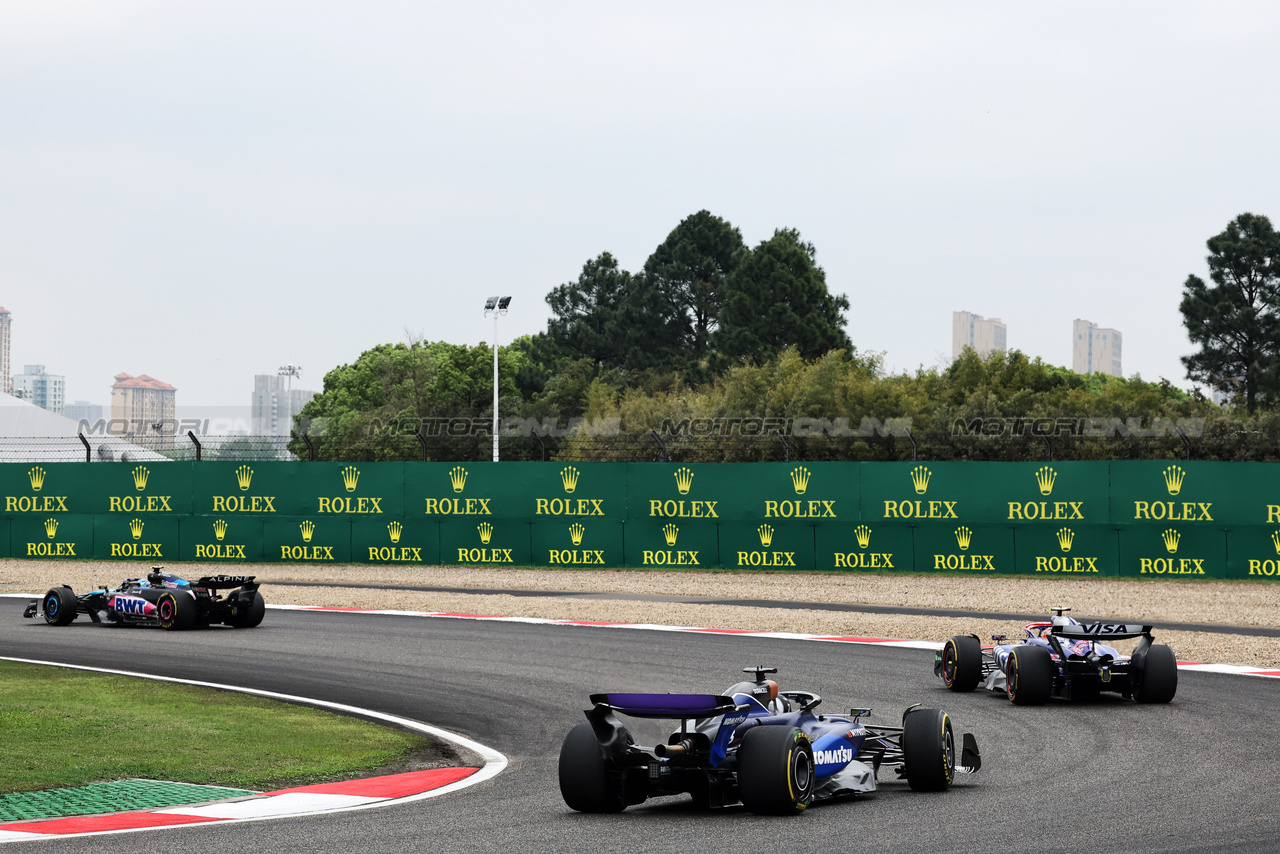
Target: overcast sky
{"type": "Point", "coordinates": [204, 191]}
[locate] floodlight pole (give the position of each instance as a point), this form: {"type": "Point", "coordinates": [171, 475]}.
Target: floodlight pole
{"type": "Point", "coordinates": [496, 306]}
{"type": "Point", "coordinates": [289, 372]}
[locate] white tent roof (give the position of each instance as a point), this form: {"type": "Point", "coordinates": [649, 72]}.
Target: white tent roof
{"type": "Point", "coordinates": [29, 433]}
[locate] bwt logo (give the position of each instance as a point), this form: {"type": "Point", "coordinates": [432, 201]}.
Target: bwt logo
{"type": "Point", "coordinates": [128, 605]}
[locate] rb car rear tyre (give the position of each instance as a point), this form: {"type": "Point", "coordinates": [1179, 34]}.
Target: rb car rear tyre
{"type": "Point", "coordinates": [585, 782]}
{"type": "Point", "coordinates": [1158, 681]}
{"type": "Point", "coordinates": [175, 611]}
{"type": "Point", "coordinates": [928, 750]}
{"type": "Point", "coordinates": [775, 770]}
{"type": "Point", "coordinates": [1029, 675]}
{"type": "Point", "coordinates": [59, 606]}
{"type": "Point", "coordinates": [962, 663]}
{"type": "Point", "coordinates": [249, 616]}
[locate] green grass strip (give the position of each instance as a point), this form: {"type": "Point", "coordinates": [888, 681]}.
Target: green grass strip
{"type": "Point", "coordinates": [98, 798]}
{"type": "Point", "coordinates": [63, 727]}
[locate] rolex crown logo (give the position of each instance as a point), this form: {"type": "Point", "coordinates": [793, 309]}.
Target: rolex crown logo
{"type": "Point", "coordinates": [800, 479]}
{"type": "Point", "coordinates": [350, 477]}
{"type": "Point", "coordinates": [51, 529]}
{"type": "Point", "coordinates": [486, 532]}
{"type": "Point", "coordinates": [766, 535]}
{"type": "Point", "coordinates": [220, 528]}
{"type": "Point", "coordinates": [135, 528]}
{"type": "Point", "coordinates": [963, 537]}
{"type": "Point", "coordinates": [1171, 538]}
{"type": "Point", "coordinates": [36, 476]}
{"type": "Point", "coordinates": [1045, 477]}
{"type": "Point", "coordinates": [458, 478]}
{"type": "Point", "coordinates": [569, 477]}
{"type": "Point", "coordinates": [920, 479]}
{"type": "Point", "coordinates": [244, 477]}
{"type": "Point", "coordinates": [1173, 477]}
{"type": "Point", "coordinates": [576, 530]}
{"type": "Point", "coordinates": [394, 530]}
{"type": "Point", "coordinates": [863, 534]}
{"type": "Point", "coordinates": [140, 475]}
{"type": "Point", "coordinates": [684, 480]}
{"type": "Point", "coordinates": [1065, 537]}
{"type": "Point", "coordinates": [1275, 540]}
{"type": "Point", "coordinates": [307, 528]}
{"type": "Point", "coordinates": [669, 533]}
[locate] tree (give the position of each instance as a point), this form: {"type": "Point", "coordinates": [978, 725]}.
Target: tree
{"type": "Point", "coordinates": [689, 270]}
{"type": "Point", "coordinates": [1234, 321]}
{"type": "Point", "coordinates": [615, 318]}
{"type": "Point", "coordinates": [778, 298]}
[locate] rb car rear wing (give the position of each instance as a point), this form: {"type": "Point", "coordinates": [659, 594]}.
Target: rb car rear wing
{"type": "Point", "coordinates": [1102, 631]}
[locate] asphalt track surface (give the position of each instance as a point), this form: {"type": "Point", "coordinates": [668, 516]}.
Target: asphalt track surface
{"type": "Point", "coordinates": [1198, 775]}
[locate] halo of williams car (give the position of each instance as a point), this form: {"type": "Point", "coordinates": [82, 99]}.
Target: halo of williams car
{"type": "Point", "coordinates": [160, 599]}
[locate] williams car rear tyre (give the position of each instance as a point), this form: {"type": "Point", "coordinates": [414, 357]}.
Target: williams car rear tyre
{"type": "Point", "coordinates": [928, 750]}
{"type": "Point", "coordinates": [775, 770]}
{"type": "Point", "coordinates": [1029, 675]}
{"type": "Point", "coordinates": [962, 663]}
{"type": "Point", "coordinates": [1158, 680]}
{"type": "Point", "coordinates": [59, 606]}
{"type": "Point", "coordinates": [175, 611]}
{"type": "Point", "coordinates": [248, 615]}
{"type": "Point", "coordinates": [585, 782]}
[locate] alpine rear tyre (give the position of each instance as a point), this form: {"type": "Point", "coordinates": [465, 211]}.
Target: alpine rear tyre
{"type": "Point", "coordinates": [775, 770]}
{"type": "Point", "coordinates": [249, 612]}
{"type": "Point", "coordinates": [928, 750]}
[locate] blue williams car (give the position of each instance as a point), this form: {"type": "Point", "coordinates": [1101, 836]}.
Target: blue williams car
{"type": "Point", "coordinates": [1063, 659]}
{"type": "Point", "coordinates": [752, 745]}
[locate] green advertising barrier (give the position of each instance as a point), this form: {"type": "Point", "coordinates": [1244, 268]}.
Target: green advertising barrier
{"type": "Point", "coordinates": [53, 536]}
{"type": "Point", "coordinates": [227, 538]}
{"type": "Point", "coordinates": [135, 537]}
{"type": "Point", "coordinates": [864, 546]}
{"type": "Point", "coordinates": [6, 533]}
{"type": "Point", "coordinates": [309, 539]}
{"type": "Point", "coordinates": [1075, 550]}
{"type": "Point", "coordinates": [1139, 519]}
{"type": "Point", "coordinates": [1253, 552]}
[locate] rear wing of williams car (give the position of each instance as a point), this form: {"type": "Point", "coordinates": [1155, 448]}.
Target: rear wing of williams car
{"type": "Point", "coordinates": [1102, 631]}
{"type": "Point", "coordinates": [666, 705]}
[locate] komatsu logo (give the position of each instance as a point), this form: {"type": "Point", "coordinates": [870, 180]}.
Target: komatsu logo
{"type": "Point", "coordinates": [838, 755]}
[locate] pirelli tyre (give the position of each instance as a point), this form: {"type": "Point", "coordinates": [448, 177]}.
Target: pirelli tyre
{"type": "Point", "coordinates": [586, 783]}
{"type": "Point", "coordinates": [1028, 675]}
{"type": "Point", "coordinates": [962, 663]}
{"type": "Point", "coordinates": [248, 611]}
{"type": "Point", "coordinates": [175, 611]}
{"type": "Point", "coordinates": [775, 770]}
{"type": "Point", "coordinates": [1157, 678]}
{"type": "Point", "coordinates": [59, 606]}
{"type": "Point", "coordinates": [928, 750]}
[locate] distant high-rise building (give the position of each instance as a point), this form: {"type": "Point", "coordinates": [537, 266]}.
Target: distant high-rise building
{"type": "Point", "coordinates": [274, 404]}
{"type": "Point", "coordinates": [984, 334]}
{"type": "Point", "coordinates": [6, 380]}
{"type": "Point", "coordinates": [141, 403]}
{"type": "Point", "coordinates": [43, 389]}
{"type": "Point", "coordinates": [1095, 350]}
{"type": "Point", "coordinates": [83, 410]}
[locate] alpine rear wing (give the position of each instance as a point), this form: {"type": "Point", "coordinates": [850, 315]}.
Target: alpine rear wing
{"type": "Point", "coordinates": [1102, 631]}
{"type": "Point", "coordinates": [223, 582]}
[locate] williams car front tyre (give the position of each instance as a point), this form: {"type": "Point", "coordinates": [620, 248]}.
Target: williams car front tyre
{"type": "Point", "coordinates": [775, 770]}
{"type": "Point", "coordinates": [928, 750]}
{"type": "Point", "coordinates": [585, 781]}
